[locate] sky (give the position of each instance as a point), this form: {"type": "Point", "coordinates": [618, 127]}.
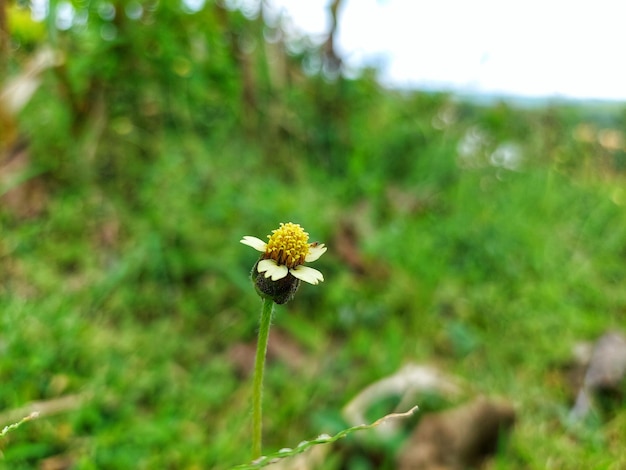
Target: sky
{"type": "Point", "coordinates": [530, 48]}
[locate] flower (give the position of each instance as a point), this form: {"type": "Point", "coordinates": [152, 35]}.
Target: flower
{"type": "Point", "coordinates": [282, 262]}
{"type": "Point", "coordinates": [286, 252]}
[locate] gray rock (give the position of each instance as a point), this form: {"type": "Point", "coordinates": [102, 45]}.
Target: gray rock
{"type": "Point", "coordinates": [605, 373]}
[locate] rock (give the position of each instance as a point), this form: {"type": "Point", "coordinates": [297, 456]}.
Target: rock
{"type": "Point", "coordinates": [458, 438]}
{"type": "Point", "coordinates": [411, 381]}
{"type": "Point", "coordinates": [605, 374]}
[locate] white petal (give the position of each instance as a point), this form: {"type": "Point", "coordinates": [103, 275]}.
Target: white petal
{"type": "Point", "coordinates": [315, 252]}
{"type": "Point", "coordinates": [265, 265]}
{"type": "Point", "coordinates": [254, 242]}
{"type": "Point", "coordinates": [271, 269]}
{"type": "Point", "coordinates": [306, 274]}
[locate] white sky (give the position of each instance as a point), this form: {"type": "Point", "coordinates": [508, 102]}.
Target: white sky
{"type": "Point", "coordinates": [533, 47]}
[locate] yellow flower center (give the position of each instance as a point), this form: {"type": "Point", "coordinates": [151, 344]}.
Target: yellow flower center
{"type": "Point", "coordinates": [288, 245]}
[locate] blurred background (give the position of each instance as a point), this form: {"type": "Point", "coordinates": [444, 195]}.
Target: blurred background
{"type": "Point", "coordinates": [517, 49]}
{"type": "Point", "coordinates": [481, 234]}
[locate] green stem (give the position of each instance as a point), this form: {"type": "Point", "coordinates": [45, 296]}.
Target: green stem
{"type": "Point", "coordinates": [257, 386]}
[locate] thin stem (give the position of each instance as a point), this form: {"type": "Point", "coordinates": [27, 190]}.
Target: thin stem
{"type": "Point", "coordinates": [257, 385]}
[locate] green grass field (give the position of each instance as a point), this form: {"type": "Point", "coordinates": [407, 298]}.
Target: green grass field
{"type": "Point", "coordinates": [122, 306]}
{"type": "Point", "coordinates": [484, 238]}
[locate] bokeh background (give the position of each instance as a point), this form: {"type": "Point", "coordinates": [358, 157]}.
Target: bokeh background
{"type": "Point", "coordinates": [140, 140]}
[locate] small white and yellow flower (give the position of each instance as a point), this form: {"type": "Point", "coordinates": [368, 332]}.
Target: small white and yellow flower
{"type": "Point", "coordinates": [286, 252]}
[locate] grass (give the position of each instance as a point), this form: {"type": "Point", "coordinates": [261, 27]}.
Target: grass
{"type": "Point", "coordinates": [132, 298]}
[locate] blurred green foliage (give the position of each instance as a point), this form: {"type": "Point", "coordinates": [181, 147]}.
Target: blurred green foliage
{"type": "Point", "coordinates": [487, 239]}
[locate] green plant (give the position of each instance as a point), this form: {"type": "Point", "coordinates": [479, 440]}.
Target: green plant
{"type": "Point", "coordinates": [276, 277]}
